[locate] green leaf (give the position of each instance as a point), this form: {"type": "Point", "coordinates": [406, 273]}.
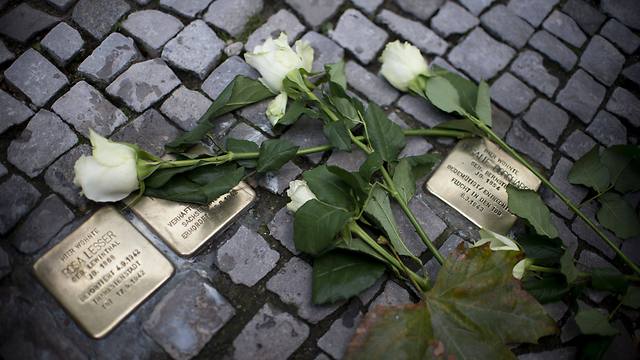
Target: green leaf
{"type": "Point", "coordinates": [275, 153]}
{"type": "Point", "coordinates": [590, 171]}
{"type": "Point", "coordinates": [623, 162]}
{"type": "Point", "coordinates": [378, 209]}
{"type": "Point", "coordinates": [295, 109]}
{"type": "Point", "coordinates": [329, 187]}
{"type": "Point", "coordinates": [404, 180]}
{"type": "Point", "coordinates": [467, 91]}
{"type": "Point", "coordinates": [421, 165]}
{"type": "Point", "coordinates": [240, 92]}
{"type": "Point", "coordinates": [160, 177]}
{"type": "Point", "coordinates": [632, 297]}
{"type": "Point", "coordinates": [483, 103]}
{"type": "Point", "coordinates": [461, 125]}
{"type": "Point", "coordinates": [316, 225]}
{"type": "Point", "coordinates": [242, 146]}
{"type": "Point", "coordinates": [527, 204]}
{"type": "Point", "coordinates": [609, 280]}
{"type": "Point", "coordinates": [548, 289]}
{"type": "Point", "coordinates": [443, 95]}
{"type": "Point", "coordinates": [386, 136]}
{"type": "Point", "coordinates": [338, 135]}
{"type": "Point", "coordinates": [360, 188]}
{"type": "Point", "coordinates": [473, 311]}
{"type": "Point", "coordinates": [346, 109]}
{"type": "Point", "coordinates": [336, 74]}
{"type": "Point", "coordinates": [372, 164]}
{"type": "Point", "coordinates": [340, 275]}
{"type": "Point", "coordinates": [594, 322]}
{"type": "Point", "coordinates": [618, 216]}
{"type": "Point", "coordinates": [541, 248]}
{"type": "Point", "coordinates": [568, 267]}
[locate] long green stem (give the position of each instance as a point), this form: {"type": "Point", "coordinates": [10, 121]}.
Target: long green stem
{"type": "Point", "coordinates": [550, 270]}
{"type": "Point", "coordinates": [495, 138]}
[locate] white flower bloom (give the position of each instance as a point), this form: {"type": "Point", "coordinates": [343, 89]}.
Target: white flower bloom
{"type": "Point", "coordinates": [299, 193]}
{"type": "Point", "coordinates": [520, 268]}
{"type": "Point", "coordinates": [401, 64]}
{"type": "Point", "coordinates": [275, 59]}
{"type": "Point", "coordinates": [277, 107]}
{"type": "Point", "coordinates": [496, 241]}
{"type": "Point", "coordinates": [110, 174]}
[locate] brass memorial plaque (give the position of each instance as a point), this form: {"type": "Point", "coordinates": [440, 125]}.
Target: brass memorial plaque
{"type": "Point", "coordinates": [473, 180]}
{"type": "Point", "coordinates": [186, 227]}
{"type": "Point", "coordinates": [102, 271]}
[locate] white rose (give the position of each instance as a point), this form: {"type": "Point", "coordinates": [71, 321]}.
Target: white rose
{"type": "Point", "coordinates": [277, 107]}
{"type": "Point", "coordinates": [299, 193]}
{"type": "Point", "coordinates": [496, 241]}
{"type": "Point", "coordinates": [275, 59]}
{"type": "Point", "coordinates": [520, 268]}
{"type": "Point", "coordinates": [401, 64]}
{"type": "Point", "coordinates": [110, 174]}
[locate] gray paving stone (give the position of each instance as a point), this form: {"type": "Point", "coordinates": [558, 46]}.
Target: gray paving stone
{"type": "Point", "coordinates": [585, 15]}
{"type": "Point", "coordinates": [507, 25]}
{"type": "Point", "coordinates": [224, 74]}
{"type": "Point", "coordinates": [432, 267]}
{"type": "Point", "coordinates": [271, 334]}
{"type": "Point", "coordinates": [349, 161]}
{"type": "Point", "coordinates": [41, 225]}
{"type": "Point", "coordinates": [337, 338]}
{"type": "Point", "coordinates": [627, 11]}
{"type": "Point", "coordinates": [453, 19]}
{"type": "Point", "coordinates": [23, 22]}
{"type": "Point", "coordinates": [315, 12]}
{"type": "Point", "coordinates": [185, 107]}
{"type": "Point", "coordinates": [369, 6]}
{"type": "Point", "coordinates": [281, 228]}
{"type": "Point", "coordinates": [602, 60]}
{"type": "Point", "coordinates": [501, 121]}
{"type": "Point", "coordinates": [12, 111]}
{"type": "Point", "coordinates": [17, 198]}
{"type": "Point", "coordinates": [581, 95]}
{"type": "Point", "coordinates": [151, 131]}
{"type": "Point", "coordinates": [232, 15]}
{"type": "Point", "coordinates": [441, 62]}
{"type": "Point", "coordinates": [532, 11]}
{"type": "Point", "coordinates": [187, 317]}
{"type": "Point", "coordinates": [577, 144]}
{"type": "Point", "coordinates": [393, 294]}
{"type": "Point", "coordinates": [564, 27]}
{"type": "Point", "coordinates": [547, 119]}
{"type": "Point", "coordinates": [422, 9]}
{"type": "Point", "coordinates": [622, 346]}
{"type": "Point", "coordinates": [186, 8]}
{"type": "Point", "coordinates": [575, 193]}
{"type": "Point", "coordinates": [415, 146]}
{"type": "Point", "coordinates": [277, 182]}
{"type": "Point", "coordinates": [84, 107]}
{"type": "Point", "coordinates": [152, 28]}
{"type": "Point", "coordinates": [476, 6]}
{"type": "Point", "coordinates": [632, 249]}
{"type": "Point", "coordinates": [35, 77]}
{"type": "Point", "coordinates": [44, 139]}
{"type": "Point", "coordinates": [63, 43]}
{"type": "Point", "coordinates": [62, 5]}
{"type": "Point", "coordinates": [234, 49]}
{"type": "Point", "coordinates": [554, 49]}
{"type": "Point", "coordinates": [569, 330]}
{"type": "Point", "coordinates": [59, 176]}
{"type": "Point", "coordinates": [325, 50]}
{"type": "Point", "coordinates": [620, 35]}
{"type": "Point", "coordinates": [367, 295]}
{"type": "Point", "coordinates": [292, 284]}
{"type": "Point", "coordinates": [373, 86]}
{"type": "Point", "coordinates": [256, 114]}
{"type": "Point", "coordinates": [5, 53]}
{"type": "Point", "coordinates": [413, 31]}
{"type": "Point", "coordinates": [585, 233]}
{"type": "Point", "coordinates": [306, 132]}
{"type": "Point", "coordinates": [3, 170]}
{"type": "Point", "coordinates": [558, 354]}
{"type": "Point", "coordinates": [430, 222]}
{"type": "Point", "coordinates": [422, 110]}
{"type": "Point", "coordinates": [480, 55]}
{"type": "Point", "coordinates": [359, 35]}
{"type": "Point", "coordinates": [5, 264]}
{"type": "Point", "coordinates": [243, 131]}
{"type": "Point", "coordinates": [569, 239]}
{"type": "Point", "coordinates": [97, 17]}
{"type": "Point", "coordinates": [282, 21]}
{"type": "Point", "coordinates": [223, 124]}
{"type": "Point", "coordinates": [624, 104]}
{"type": "Point", "coordinates": [529, 67]}
{"type": "Point", "coordinates": [143, 84]}
{"type": "Point", "coordinates": [607, 129]}
{"type": "Point", "coordinates": [589, 260]}
{"type": "Point", "coordinates": [110, 58]}
{"type": "Point", "coordinates": [523, 141]}
{"type": "Point", "coordinates": [511, 93]}
{"type": "Point", "coordinates": [195, 49]}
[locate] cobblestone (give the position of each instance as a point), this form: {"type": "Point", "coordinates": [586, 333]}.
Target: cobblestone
{"type": "Point", "coordinates": [547, 119]}
{"type": "Point", "coordinates": [585, 15]}
{"type": "Point", "coordinates": [282, 21]}
{"type": "Point", "coordinates": [374, 87]}
{"type": "Point", "coordinates": [476, 6]}
{"type": "Point", "coordinates": [281, 228]}
{"type": "Point", "coordinates": [12, 111]}
{"type": "Point", "coordinates": [224, 74]}
{"type": "Point", "coordinates": [5, 54]}
{"type": "Point", "coordinates": [5, 264]}
{"type": "Point", "coordinates": [63, 43]}
{"type": "Point", "coordinates": [369, 6]}
{"type": "Point", "coordinates": [109, 59]}
{"type": "Point", "coordinates": [143, 84]}
{"type": "Point", "coordinates": [277, 182]}
{"type": "Point", "coordinates": [607, 129]}
{"type": "Point", "coordinates": [581, 96]}
{"type": "Point", "coordinates": [61, 5]}
{"type": "Point", "coordinates": [432, 267]}
{"type": "Point", "coordinates": [185, 107]}
{"type": "Point", "coordinates": [150, 130]}
{"type": "Point", "coordinates": [293, 285]}
{"type": "Point", "coordinates": [507, 26]}
{"type": "Point", "coordinates": [350, 161]}
{"type": "Point", "coordinates": [627, 11]}
{"type": "Point", "coordinates": [453, 19]}
{"type": "Point", "coordinates": [569, 240]}
{"type": "Point", "coordinates": [602, 60]}
{"type": "Point", "coordinates": [586, 234]}
{"type": "Point", "coordinates": [575, 193]}
{"type": "Point", "coordinates": [17, 198]}
{"type": "Point", "coordinates": [243, 131]}
{"type": "Point", "coordinates": [271, 334]}
{"type": "Point", "coordinates": [632, 72]}
{"type": "Point", "coordinates": [523, 141]}
{"type": "Point", "coordinates": [624, 104]}
{"type": "Point", "coordinates": [35, 77]}
{"type": "Point", "coordinates": [577, 144]}
{"type": "Point", "coordinates": [480, 55]}
{"type": "Point", "coordinates": [195, 49]}
{"type": "Point", "coordinates": [315, 13]}
{"type": "Point", "coordinates": [98, 17]}
{"type": "Point", "coordinates": [23, 22]}
{"type": "Point", "coordinates": [186, 8]}
{"type": "Point", "coordinates": [59, 176]}
{"type": "Point", "coordinates": [420, 9]}
{"type": "Point", "coordinates": [256, 114]}
{"type": "Point", "coordinates": [558, 354]}
{"type": "Point", "coordinates": [325, 51]}
{"type": "Point", "coordinates": [530, 68]}
{"type": "Point", "coordinates": [232, 15]}
{"type": "Point", "coordinates": [393, 294]}
{"type": "Point", "coordinates": [554, 49]}
{"type": "Point", "coordinates": [532, 11]}
{"type": "Point", "coordinates": [422, 110]}
{"type": "Point", "coordinates": [152, 28]}
{"type": "Point", "coordinates": [413, 31]}
{"type": "Point", "coordinates": [41, 225]}
{"type": "Point", "coordinates": [433, 225]}
{"type": "Point", "coordinates": [620, 35]}
{"type": "Point", "coordinates": [511, 93]}
{"type": "Point", "coordinates": [336, 339]}
{"type": "Point", "coordinates": [44, 139]}
{"type": "Point", "coordinates": [306, 132]}
{"type": "Point", "coordinates": [359, 35]}
{"type": "Point", "coordinates": [565, 28]}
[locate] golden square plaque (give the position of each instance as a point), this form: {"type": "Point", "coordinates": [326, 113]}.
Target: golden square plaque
{"type": "Point", "coordinates": [187, 227]}
{"type": "Point", "coordinates": [102, 271]}
{"type": "Point", "coordinates": [473, 179]}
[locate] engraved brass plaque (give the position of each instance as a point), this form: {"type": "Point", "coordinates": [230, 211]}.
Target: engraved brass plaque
{"type": "Point", "coordinates": [102, 271]}
{"type": "Point", "coordinates": [187, 227]}
{"type": "Point", "coordinates": [473, 179]}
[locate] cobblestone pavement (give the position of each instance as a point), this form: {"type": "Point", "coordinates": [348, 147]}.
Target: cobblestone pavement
{"type": "Point", "coordinates": [564, 76]}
